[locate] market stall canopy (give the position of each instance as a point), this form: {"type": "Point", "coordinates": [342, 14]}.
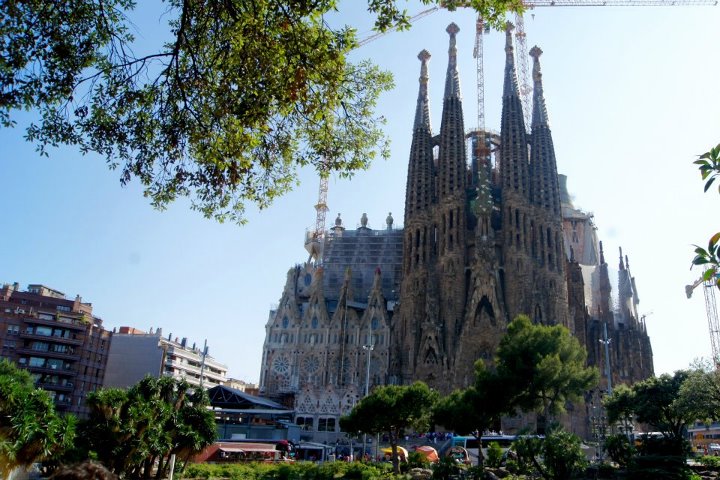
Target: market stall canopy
{"type": "Point", "coordinates": [429, 452]}
{"type": "Point", "coordinates": [402, 452]}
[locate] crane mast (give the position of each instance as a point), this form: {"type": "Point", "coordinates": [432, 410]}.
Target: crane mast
{"type": "Point", "coordinates": [521, 58]}
{"type": "Point", "coordinates": [709, 285]}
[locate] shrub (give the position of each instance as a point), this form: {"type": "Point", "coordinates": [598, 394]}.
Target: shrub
{"type": "Point", "coordinates": [418, 460]}
{"type": "Point", "coordinates": [563, 455]}
{"type": "Point", "coordinates": [620, 449]}
{"type": "Point", "coordinates": [527, 449]}
{"type": "Point", "coordinates": [289, 471]}
{"type": "Point", "coordinates": [653, 467]}
{"type": "Point", "coordinates": [494, 455]}
{"type": "Point", "coordinates": [709, 461]}
{"type": "Point", "coordinates": [446, 468]}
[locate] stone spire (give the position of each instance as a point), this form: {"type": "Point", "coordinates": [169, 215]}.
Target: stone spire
{"type": "Point", "coordinates": [539, 116]}
{"type": "Point", "coordinates": [452, 79]}
{"type": "Point", "coordinates": [545, 187]}
{"type": "Point", "coordinates": [513, 150]}
{"type": "Point", "coordinates": [422, 111]}
{"type": "Point", "coordinates": [626, 290]}
{"type": "Point", "coordinates": [510, 85]}
{"type": "Point", "coordinates": [419, 192]}
{"type": "Point", "coordinates": [451, 164]}
{"type": "Point", "coordinates": [605, 288]}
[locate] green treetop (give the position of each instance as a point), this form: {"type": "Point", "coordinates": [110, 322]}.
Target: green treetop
{"type": "Point", "coordinates": [391, 410]}
{"type": "Point", "coordinates": [30, 429]}
{"type": "Point", "coordinates": [242, 94]}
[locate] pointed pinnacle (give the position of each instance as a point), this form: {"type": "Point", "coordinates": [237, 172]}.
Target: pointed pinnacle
{"type": "Point", "coordinates": [535, 52]}
{"type": "Point", "coordinates": [509, 27]}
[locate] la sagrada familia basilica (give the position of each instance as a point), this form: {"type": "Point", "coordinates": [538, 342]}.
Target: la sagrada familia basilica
{"type": "Point", "coordinates": [488, 234]}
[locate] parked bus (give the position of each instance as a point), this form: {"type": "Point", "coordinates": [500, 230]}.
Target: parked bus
{"type": "Point", "coordinates": [471, 442]}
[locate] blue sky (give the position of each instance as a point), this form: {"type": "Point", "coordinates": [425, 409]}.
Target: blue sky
{"type": "Point", "coordinates": [632, 98]}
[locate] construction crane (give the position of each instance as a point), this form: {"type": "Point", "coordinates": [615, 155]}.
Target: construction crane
{"type": "Point", "coordinates": [709, 286]}
{"type": "Point", "coordinates": [314, 240]}
{"type": "Point", "coordinates": [521, 52]}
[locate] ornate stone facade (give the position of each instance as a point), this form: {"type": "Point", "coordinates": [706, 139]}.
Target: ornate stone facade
{"type": "Point", "coordinates": [324, 349]}
{"type": "Point", "coordinates": [480, 245]}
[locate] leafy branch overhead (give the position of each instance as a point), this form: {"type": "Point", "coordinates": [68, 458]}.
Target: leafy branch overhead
{"type": "Point", "coordinates": [709, 166]}
{"type": "Point", "coordinates": [242, 95]}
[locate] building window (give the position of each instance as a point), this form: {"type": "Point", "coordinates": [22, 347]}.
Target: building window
{"type": "Point", "coordinates": [305, 423]}
{"type": "Point", "coordinates": [37, 362]}
{"type": "Point", "coordinates": [41, 346]}
{"type": "Point", "coordinates": [326, 425]}
{"type": "Point", "coordinates": [44, 331]}
{"type": "Point", "coordinates": [55, 364]}
{"type": "Point", "coordinates": [13, 329]}
{"type": "Point", "coordinates": [63, 308]}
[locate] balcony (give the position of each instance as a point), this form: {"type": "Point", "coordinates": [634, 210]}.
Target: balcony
{"type": "Point", "coordinates": [65, 372]}
{"type": "Point", "coordinates": [63, 404]}
{"type": "Point", "coordinates": [77, 325]}
{"type": "Point", "coordinates": [73, 357]}
{"type": "Point", "coordinates": [68, 387]}
{"type": "Point", "coordinates": [182, 366]}
{"type": "Point", "coordinates": [50, 338]}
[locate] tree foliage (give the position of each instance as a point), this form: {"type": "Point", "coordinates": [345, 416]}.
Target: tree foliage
{"type": "Point", "coordinates": [621, 407]}
{"type": "Point", "coordinates": [543, 366]}
{"type": "Point", "coordinates": [657, 402]}
{"type": "Point", "coordinates": [561, 454]}
{"type": "Point", "coordinates": [30, 429]}
{"type": "Point", "coordinates": [620, 449]}
{"type": "Point", "coordinates": [132, 430]}
{"type": "Point", "coordinates": [700, 392]}
{"type": "Point", "coordinates": [709, 258]}
{"type": "Point", "coordinates": [241, 95]}
{"type": "Point", "coordinates": [391, 410]}
{"type": "Point", "coordinates": [475, 409]}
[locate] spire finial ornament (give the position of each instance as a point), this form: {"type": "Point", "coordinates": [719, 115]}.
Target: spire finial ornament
{"type": "Point", "coordinates": [452, 80]}
{"type": "Point", "coordinates": [535, 53]}
{"type": "Point", "coordinates": [510, 87]}
{"type": "Point", "coordinates": [509, 27]}
{"type": "Point", "coordinates": [539, 116]}
{"type": "Point", "coordinates": [422, 112]}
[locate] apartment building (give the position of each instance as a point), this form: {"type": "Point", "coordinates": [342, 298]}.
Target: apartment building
{"type": "Point", "coordinates": [58, 340]}
{"type": "Point", "coordinates": [135, 354]}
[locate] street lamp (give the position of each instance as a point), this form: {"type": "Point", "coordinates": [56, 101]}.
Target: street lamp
{"type": "Point", "coordinates": [606, 342]}
{"type": "Point", "coordinates": [369, 348]}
